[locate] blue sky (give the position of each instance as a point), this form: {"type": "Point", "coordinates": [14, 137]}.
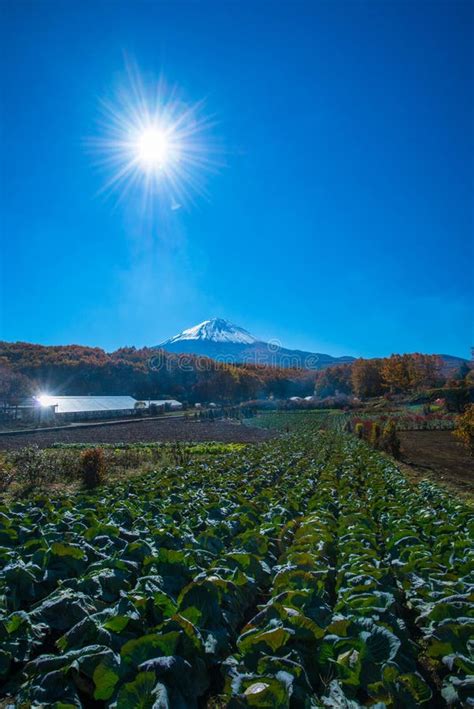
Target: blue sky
{"type": "Point", "coordinates": [341, 221]}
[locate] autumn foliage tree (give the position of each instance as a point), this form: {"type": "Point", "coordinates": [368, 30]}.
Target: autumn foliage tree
{"type": "Point", "coordinates": [464, 430]}
{"type": "Point", "coordinates": [333, 380]}
{"type": "Point", "coordinates": [395, 374]}
{"type": "Point", "coordinates": [13, 386]}
{"type": "Point", "coordinates": [410, 372]}
{"type": "Point", "coordinates": [366, 378]}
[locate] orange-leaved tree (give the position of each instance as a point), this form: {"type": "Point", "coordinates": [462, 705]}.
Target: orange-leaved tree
{"type": "Point", "coordinates": [367, 378]}
{"type": "Point", "coordinates": [465, 428]}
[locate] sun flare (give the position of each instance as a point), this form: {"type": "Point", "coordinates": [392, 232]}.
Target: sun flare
{"type": "Point", "coordinates": [154, 141]}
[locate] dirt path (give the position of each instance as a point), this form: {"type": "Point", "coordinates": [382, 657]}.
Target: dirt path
{"type": "Point", "coordinates": [157, 430]}
{"type": "Point", "coordinates": [438, 456]}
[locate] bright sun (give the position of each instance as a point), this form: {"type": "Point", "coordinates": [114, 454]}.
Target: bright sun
{"type": "Point", "coordinates": [155, 141]}
{"type": "Point", "coordinates": [153, 148]}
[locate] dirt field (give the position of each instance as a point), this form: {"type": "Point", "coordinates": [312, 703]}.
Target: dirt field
{"type": "Point", "coordinates": [438, 456]}
{"type": "Point", "coordinates": [143, 431]}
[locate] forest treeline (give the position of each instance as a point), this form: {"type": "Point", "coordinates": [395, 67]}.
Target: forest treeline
{"type": "Point", "coordinates": [144, 373]}
{"type": "Point", "coordinates": [149, 373]}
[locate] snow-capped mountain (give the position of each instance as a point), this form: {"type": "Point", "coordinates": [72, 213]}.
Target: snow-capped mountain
{"type": "Point", "coordinates": [222, 340]}
{"type": "Point", "coordinates": [215, 330]}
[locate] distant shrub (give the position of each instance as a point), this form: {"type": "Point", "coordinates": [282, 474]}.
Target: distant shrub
{"type": "Point", "coordinates": [409, 421]}
{"type": "Point", "coordinates": [390, 442]}
{"type": "Point", "coordinates": [464, 430]}
{"type": "Point", "coordinates": [381, 434]}
{"type": "Point", "coordinates": [33, 466]}
{"type": "Point", "coordinates": [6, 473]}
{"type": "Point", "coordinates": [455, 398]}
{"type": "Point", "coordinates": [92, 467]}
{"type": "Point", "coordinates": [374, 435]}
{"type": "Point", "coordinates": [180, 454]}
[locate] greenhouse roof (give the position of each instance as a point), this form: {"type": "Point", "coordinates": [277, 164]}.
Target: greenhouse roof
{"type": "Point", "coordinates": [72, 404]}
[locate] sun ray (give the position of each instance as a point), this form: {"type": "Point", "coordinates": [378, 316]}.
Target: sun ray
{"type": "Point", "coordinates": [152, 141]}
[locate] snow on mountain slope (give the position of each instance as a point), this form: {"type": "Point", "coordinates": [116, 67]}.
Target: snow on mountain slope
{"type": "Point", "coordinates": [214, 330]}
{"type": "Point", "coordinates": [222, 340]}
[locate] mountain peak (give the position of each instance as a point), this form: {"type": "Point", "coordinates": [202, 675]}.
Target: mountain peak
{"type": "Point", "coordinates": [214, 330]}
{"type": "Point", "coordinates": [221, 340]}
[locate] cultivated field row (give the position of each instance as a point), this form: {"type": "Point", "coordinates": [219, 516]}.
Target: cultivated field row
{"type": "Point", "coordinates": [302, 572]}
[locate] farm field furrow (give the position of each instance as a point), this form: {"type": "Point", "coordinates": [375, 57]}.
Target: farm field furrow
{"type": "Point", "coordinates": [151, 431]}
{"type": "Point", "coordinates": [302, 572]}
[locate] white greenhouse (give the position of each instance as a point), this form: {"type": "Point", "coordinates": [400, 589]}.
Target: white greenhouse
{"type": "Point", "coordinates": [85, 407]}
{"type": "Point", "coordinates": [165, 404]}
{"type": "Point", "coordinates": [52, 407]}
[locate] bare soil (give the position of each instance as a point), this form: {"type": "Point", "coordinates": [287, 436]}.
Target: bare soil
{"type": "Point", "coordinates": [437, 455]}
{"type": "Point", "coordinates": [148, 431]}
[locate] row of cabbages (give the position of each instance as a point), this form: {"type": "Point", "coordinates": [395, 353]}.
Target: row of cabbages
{"type": "Point", "coordinates": [334, 631]}
{"type": "Point", "coordinates": [134, 594]}
{"type": "Point", "coordinates": [429, 541]}
{"type": "Point", "coordinates": [305, 572]}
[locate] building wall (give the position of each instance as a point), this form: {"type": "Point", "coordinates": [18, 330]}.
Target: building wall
{"type": "Point", "coordinates": [88, 415]}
